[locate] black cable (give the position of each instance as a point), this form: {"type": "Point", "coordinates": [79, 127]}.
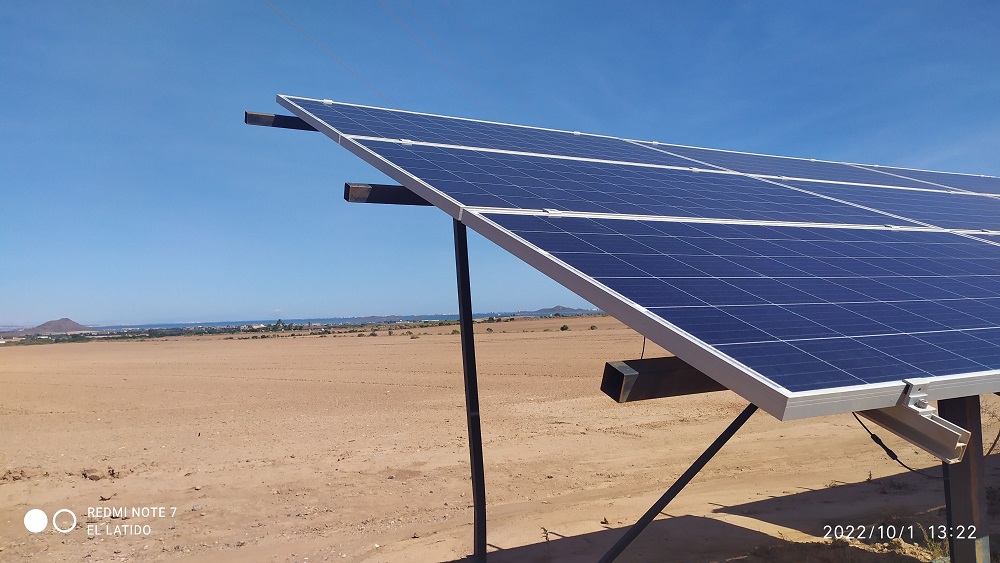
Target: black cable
{"type": "Point", "coordinates": [892, 455]}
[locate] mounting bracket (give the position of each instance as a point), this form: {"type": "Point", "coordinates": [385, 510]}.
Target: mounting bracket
{"type": "Point", "coordinates": [915, 421]}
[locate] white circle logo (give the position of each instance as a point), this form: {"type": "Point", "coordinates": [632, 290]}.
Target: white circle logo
{"type": "Point", "coordinates": [35, 520]}
{"type": "Point", "coordinates": [67, 529]}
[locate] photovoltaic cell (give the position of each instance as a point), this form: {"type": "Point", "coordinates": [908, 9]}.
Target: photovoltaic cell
{"type": "Point", "coordinates": [489, 179]}
{"type": "Point", "coordinates": [840, 306]}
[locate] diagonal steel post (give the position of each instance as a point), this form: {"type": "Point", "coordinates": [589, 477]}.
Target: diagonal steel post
{"type": "Point", "coordinates": [678, 485]}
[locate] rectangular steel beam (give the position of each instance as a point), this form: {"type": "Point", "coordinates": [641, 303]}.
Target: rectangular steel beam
{"type": "Point", "coordinates": [654, 378]}
{"type": "Point", "coordinates": [381, 193]}
{"type": "Point", "coordinates": [271, 120]}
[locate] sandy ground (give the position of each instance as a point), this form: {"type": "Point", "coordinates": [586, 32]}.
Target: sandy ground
{"type": "Point", "coordinates": [347, 448]}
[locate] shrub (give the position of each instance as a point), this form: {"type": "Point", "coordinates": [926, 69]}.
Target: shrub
{"type": "Point", "coordinates": [593, 327]}
{"type": "Point", "coordinates": [564, 327]}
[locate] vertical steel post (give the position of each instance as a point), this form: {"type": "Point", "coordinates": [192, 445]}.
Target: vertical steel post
{"type": "Point", "coordinates": [471, 391]}
{"type": "Point", "coordinates": [965, 490]}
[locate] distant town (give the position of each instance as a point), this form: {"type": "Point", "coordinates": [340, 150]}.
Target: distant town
{"type": "Point", "coordinates": [66, 330]}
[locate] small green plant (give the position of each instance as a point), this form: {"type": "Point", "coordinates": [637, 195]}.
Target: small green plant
{"type": "Point", "coordinates": [593, 327]}
{"type": "Point", "coordinates": [564, 327]}
{"type": "Point", "coordinates": [937, 547]}
{"type": "Point", "coordinates": [489, 330]}
{"type": "Point", "coordinates": [456, 331]}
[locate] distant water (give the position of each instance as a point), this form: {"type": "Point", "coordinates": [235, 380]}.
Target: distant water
{"type": "Point", "coordinates": [349, 320]}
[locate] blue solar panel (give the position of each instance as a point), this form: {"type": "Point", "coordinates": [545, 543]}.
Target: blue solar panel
{"type": "Point", "coordinates": [800, 284]}
{"type": "Point", "coordinates": [949, 210]}
{"type": "Point", "coordinates": [765, 165]}
{"type": "Point", "coordinates": [391, 124]}
{"type": "Point", "coordinates": [981, 184]}
{"type": "Point", "coordinates": [490, 179]}
{"type": "Point", "coordinates": [843, 306]}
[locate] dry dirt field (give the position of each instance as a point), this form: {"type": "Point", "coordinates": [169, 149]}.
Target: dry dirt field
{"type": "Point", "coordinates": [344, 448]}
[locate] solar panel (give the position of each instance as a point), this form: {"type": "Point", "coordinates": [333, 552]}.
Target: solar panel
{"type": "Point", "coordinates": [491, 179]}
{"type": "Point", "coordinates": [946, 209]}
{"type": "Point", "coordinates": [967, 182]}
{"type": "Point", "coordinates": [809, 287]}
{"type": "Point", "coordinates": [783, 166]}
{"type": "Point", "coordinates": [361, 121]}
{"type": "Point", "coordinates": [835, 295]}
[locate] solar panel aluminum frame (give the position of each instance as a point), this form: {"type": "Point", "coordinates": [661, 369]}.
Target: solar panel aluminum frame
{"type": "Point", "coordinates": [774, 399]}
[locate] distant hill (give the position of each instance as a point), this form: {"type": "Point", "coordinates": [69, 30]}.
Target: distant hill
{"type": "Point", "coordinates": [558, 309]}
{"type": "Point", "coordinates": [60, 326]}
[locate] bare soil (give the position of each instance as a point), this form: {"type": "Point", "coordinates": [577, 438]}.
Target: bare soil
{"type": "Point", "coordinates": [347, 448]}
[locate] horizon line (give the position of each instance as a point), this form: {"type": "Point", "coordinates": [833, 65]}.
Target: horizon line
{"type": "Point", "coordinates": [425, 316]}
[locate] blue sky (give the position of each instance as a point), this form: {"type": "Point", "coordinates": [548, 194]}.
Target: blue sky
{"type": "Point", "coordinates": [132, 192]}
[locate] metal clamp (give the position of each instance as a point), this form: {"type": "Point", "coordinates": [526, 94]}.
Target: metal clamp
{"type": "Point", "coordinates": [915, 421]}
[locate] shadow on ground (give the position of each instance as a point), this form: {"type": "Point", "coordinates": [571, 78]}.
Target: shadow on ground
{"type": "Point", "coordinates": [688, 539]}
{"type": "Point", "coordinates": [904, 499]}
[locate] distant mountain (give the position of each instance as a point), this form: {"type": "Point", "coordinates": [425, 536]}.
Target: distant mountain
{"type": "Point", "coordinates": [60, 326]}
{"type": "Point", "coordinates": [558, 309]}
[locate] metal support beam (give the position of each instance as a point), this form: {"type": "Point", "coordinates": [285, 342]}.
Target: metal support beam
{"type": "Point", "coordinates": [381, 193]}
{"type": "Point", "coordinates": [678, 485]}
{"type": "Point", "coordinates": [965, 490]}
{"type": "Point", "coordinates": [280, 121]}
{"type": "Point", "coordinates": [471, 392]}
{"type": "Point", "coordinates": [654, 378]}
